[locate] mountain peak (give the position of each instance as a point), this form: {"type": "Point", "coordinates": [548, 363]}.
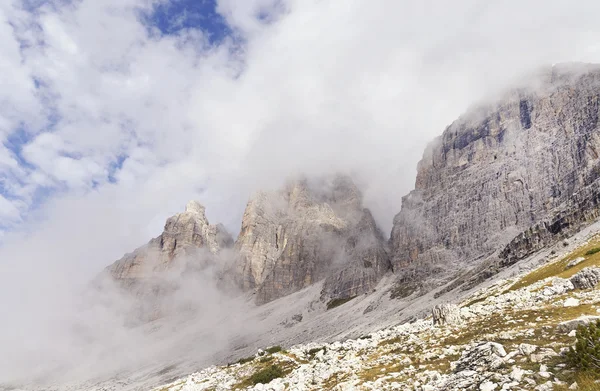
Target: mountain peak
{"type": "Point", "coordinates": [194, 206]}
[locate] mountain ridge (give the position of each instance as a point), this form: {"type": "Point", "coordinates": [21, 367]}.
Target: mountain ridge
{"type": "Point", "coordinates": [495, 195]}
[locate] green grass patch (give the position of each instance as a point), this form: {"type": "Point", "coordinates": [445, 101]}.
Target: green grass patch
{"type": "Point", "coordinates": [338, 302]}
{"type": "Point", "coordinates": [267, 374]}
{"type": "Point", "coordinates": [593, 251]}
{"type": "Point", "coordinates": [585, 356]}
{"type": "Point", "coordinates": [273, 349]}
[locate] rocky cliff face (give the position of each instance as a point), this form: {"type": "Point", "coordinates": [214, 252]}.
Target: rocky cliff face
{"type": "Point", "coordinates": [503, 168]}
{"type": "Point", "coordinates": [184, 235]}
{"type": "Point", "coordinates": [582, 208]}
{"type": "Point", "coordinates": [310, 231]}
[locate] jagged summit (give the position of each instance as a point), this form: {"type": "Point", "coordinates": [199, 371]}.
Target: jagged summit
{"type": "Point", "coordinates": [195, 207]}
{"type": "Point", "coordinates": [183, 236]}
{"type": "Point", "coordinates": [309, 231]}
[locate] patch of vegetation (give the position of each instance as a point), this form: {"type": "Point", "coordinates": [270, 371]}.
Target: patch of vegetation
{"type": "Point", "coordinates": [265, 359]}
{"type": "Point", "coordinates": [548, 316]}
{"type": "Point", "coordinates": [264, 372]}
{"type": "Point", "coordinates": [338, 302]}
{"type": "Point", "coordinates": [367, 336]}
{"type": "Point", "coordinates": [593, 251]}
{"type": "Point", "coordinates": [267, 374]}
{"type": "Point", "coordinates": [333, 380]}
{"type": "Point", "coordinates": [245, 360]}
{"type": "Point", "coordinates": [585, 356]}
{"type": "Point", "coordinates": [273, 349]}
{"type": "Point", "coordinates": [312, 352]}
{"type": "Point", "coordinates": [590, 252]}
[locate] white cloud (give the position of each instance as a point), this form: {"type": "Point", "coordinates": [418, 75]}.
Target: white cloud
{"type": "Point", "coordinates": [8, 211]}
{"type": "Point", "coordinates": [307, 86]}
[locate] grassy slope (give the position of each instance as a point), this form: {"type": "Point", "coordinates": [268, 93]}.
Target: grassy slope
{"type": "Point", "coordinates": [559, 268]}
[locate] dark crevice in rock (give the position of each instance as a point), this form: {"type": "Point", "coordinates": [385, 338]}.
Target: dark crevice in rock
{"type": "Point", "coordinates": [525, 114]}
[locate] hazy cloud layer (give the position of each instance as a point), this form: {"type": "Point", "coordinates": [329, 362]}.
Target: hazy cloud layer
{"type": "Point", "coordinates": [108, 126]}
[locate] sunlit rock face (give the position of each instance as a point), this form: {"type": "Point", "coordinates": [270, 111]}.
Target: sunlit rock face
{"type": "Point", "coordinates": [309, 231]}
{"type": "Point", "coordinates": [183, 236]}
{"type": "Point", "coordinates": [500, 169]}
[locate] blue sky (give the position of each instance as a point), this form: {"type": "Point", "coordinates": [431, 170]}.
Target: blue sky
{"type": "Point", "coordinates": [172, 16]}
{"type": "Point", "coordinates": [169, 17]}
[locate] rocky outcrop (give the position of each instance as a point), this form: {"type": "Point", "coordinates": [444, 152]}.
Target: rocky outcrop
{"type": "Point", "coordinates": [527, 162]}
{"type": "Point", "coordinates": [186, 235]}
{"type": "Point", "coordinates": [579, 210]}
{"type": "Point", "coordinates": [484, 356]}
{"type": "Point", "coordinates": [445, 314]}
{"type": "Point", "coordinates": [312, 230]}
{"type": "Point", "coordinates": [587, 278]}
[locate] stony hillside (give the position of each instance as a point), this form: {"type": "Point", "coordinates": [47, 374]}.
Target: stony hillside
{"type": "Point", "coordinates": [512, 335]}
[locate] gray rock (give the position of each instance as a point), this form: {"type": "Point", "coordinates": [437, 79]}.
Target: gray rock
{"type": "Point", "coordinates": [184, 235]}
{"type": "Point", "coordinates": [587, 278]}
{"type": "Point", "coordinates": [526, 349]}
{"type": "Point", "coordinates": [575, 262]}
{"type": "Point", "coordinates": [497, 171]}
{"type": "Point", "coordinates": [446, 314]}
{"type": "Point", "coordinates": [570, 325]}
{"type": "Point", "coordinates": [482, 357]}
{"type": "Point", "coordinates": [310, 231]}
{"type": "Point", "coordinates": [542, 354]}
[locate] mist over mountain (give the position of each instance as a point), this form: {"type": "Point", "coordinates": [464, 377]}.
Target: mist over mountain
{"type": "Point", "coordinates": [183, 184]}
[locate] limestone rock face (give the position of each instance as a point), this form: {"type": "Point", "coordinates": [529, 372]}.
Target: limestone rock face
{"type": "Point", "coordinates": [184, 235]}
{"type": "Point", "coordinates": [310, 231]}
{"type": "Point", "coordinates": [587, 278]}
{"type": "Point", "coordinates": [501, 169]}
{"type": "Point", "coordinates": [446, 314]}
